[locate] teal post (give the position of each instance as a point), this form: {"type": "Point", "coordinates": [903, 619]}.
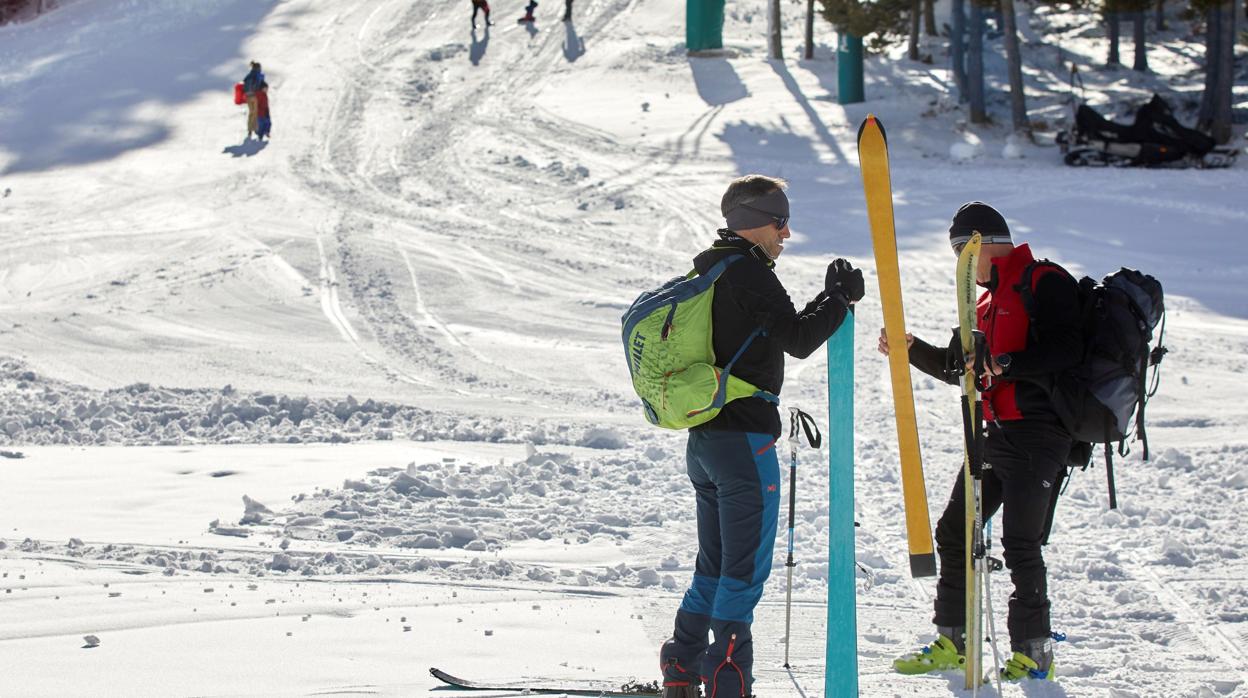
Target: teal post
{"type": "Point", "coordinates": [841, 661]}
{"type": "Point", "coordinates": [849, 69]}
{"type": "Point", "coordinates": [704, 25]}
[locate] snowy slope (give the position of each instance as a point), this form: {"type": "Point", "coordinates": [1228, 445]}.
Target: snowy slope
{"type": "Point", "coordinates": [449, 223]}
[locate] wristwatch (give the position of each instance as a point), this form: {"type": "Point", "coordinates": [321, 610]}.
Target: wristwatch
{"type": "Point", "coordinates": [1004, 361]}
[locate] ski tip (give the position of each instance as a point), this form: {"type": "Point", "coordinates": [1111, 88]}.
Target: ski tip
{"type": "Point", "coordinates": [871, 120]}
{"type": "Point", "coordinates": [923, 565]}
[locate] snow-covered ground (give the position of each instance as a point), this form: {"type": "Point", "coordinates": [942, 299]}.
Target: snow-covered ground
{"type": "Point", "coordinates": [394, 330]}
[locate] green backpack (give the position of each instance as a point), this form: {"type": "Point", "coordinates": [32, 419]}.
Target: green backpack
{"type": "Point", "coordinates": [667, 343]}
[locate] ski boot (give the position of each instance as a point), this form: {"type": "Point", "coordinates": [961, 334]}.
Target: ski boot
{"type": "Point", "coordinates": [1032, 659]}
{"type": "Point", "coordinates": [945, 654]}
{"type": "Point", "coordinates": [678, 681]}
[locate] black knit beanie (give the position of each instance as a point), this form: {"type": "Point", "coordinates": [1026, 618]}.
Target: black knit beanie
{"type": "Point", "coordinates": [977, 216]}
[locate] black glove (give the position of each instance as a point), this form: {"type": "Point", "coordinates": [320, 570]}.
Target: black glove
{"type": "Point", "coordinates": [845, 281]}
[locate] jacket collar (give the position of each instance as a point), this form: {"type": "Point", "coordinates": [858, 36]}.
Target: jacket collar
{"type": "Point", "coordinates": [1011, 266]}
{"type": "Point", "coordinates": [728, 240]}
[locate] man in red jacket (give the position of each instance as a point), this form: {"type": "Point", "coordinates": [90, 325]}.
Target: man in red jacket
{"type": "Point", "coordinates": [1026, 447]}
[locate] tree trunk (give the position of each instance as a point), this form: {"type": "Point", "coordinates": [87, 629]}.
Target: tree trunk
{"type": "Point", "coordinates": [1220, 129]}
{"type": "Point", "coordinates": [975, 64]}
{"type": "Point", "coordinates": [1013, 57]}
{"type": "Point", "coordinates": [1141, 42]}
{"type": "Point", "coordinates": [774, 47]}
{"type": "Point", "coordinates": [957, 48]}
{"type": "Point", "coordinates": [1161, 15]}
{"type": "Point", "coordinates": [929, 18]}
{"type": "Point", "coordinates": [810, 29]}
{"type": "Point", "coordinates": [1204, 118]}
{"type": "Point", "coordinates": [1112, 19]}
{"type": "Point", "coordinates": [916, 9]}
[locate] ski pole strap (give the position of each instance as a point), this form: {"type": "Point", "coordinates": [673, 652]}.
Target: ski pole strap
{"type": "Point", "coordinates": [813, 437]}
{"type": "Point", "coordinates": [981, 361]}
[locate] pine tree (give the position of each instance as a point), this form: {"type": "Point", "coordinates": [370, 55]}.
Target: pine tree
{"type": "Point", "coordinates": [884, 20]}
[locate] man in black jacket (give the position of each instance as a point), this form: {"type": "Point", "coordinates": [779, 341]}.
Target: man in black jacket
{"type": "Point", "coordinates": [1026, 447]}
{"type": "Point", "coordinates": [731, 459]}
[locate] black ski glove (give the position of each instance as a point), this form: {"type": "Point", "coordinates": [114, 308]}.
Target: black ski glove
{"type": "Point", "coordinates": [845, 281]}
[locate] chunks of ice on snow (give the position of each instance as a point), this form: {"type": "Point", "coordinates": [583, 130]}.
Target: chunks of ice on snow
{"type": "Point", "coordinates": [603, 437]}
{"type": "Point", "coordinates": [251, 506]}
{"type": "Point", "coordinates": [1176, 552]}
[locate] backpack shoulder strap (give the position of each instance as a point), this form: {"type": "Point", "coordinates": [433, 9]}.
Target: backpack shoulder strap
{"type": "Point", "coordinates": [1026, 285]}
{"type": "Point", "coordinates": [720, 266]}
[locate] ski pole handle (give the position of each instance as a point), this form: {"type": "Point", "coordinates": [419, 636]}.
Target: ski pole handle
{"type": "Point", "coordinates": [808, 425]}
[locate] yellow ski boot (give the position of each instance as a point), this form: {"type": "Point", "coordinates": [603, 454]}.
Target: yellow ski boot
{"type": "Point", "coordinates": [941, 655]}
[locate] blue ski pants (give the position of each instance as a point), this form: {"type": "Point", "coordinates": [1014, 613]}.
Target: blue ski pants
{"type": "Point", "coordinates": [736, 478]}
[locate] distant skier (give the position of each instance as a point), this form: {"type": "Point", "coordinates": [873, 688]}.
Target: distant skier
{"type": "Point", "coordinates": [264, 122]}
{"type": "Point", "coordinates": [1026, 448]}
{"type": "Point", "coordinates": [567, 10]}
{"type": "Point", "coordinates": [478, 5]}
{"type": "Point", "coordinates": [528, 12]}
{"type": "Point", "coordinates": [731, 460]}
{"type": "Point", "coordinates": [251, 86]}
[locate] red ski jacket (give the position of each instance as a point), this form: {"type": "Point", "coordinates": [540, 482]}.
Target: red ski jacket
{"type": "Point", "coordinates": [1038, 346]}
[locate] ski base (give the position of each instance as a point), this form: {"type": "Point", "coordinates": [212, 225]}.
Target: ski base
{"type": "Point", "coordinates": [923, 565]}
{"type": "Point", "coordinates": [631, 689]}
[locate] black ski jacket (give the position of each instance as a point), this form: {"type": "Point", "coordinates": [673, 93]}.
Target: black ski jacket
{"type": "Point", "coordinates": [749, 295]}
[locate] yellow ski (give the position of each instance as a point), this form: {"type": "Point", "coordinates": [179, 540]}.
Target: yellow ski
{"type": "Point", "coordinates": [972, 417]}
{"type": "Point", "coordinates": [873, 159]}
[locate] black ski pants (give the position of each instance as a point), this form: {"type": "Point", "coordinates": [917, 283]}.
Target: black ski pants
{"type": "Point", "coordinates": [1024, 464]}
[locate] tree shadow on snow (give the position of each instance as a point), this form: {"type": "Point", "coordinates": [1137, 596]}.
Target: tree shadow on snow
{"type": "Point", "coordinates": [794, 89]}
{"type": "Point", "coordinates": [247, 148]}
{"type": "Point", "coordinates": [573, 45]}
{"type": "Point", "coordinates": [716, 80]}
{"type": "Point", "coordinates": [74, 104]}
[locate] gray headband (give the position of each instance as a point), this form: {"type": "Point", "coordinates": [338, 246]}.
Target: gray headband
{"type": "Point", "coordinates": [759, 212]}
{"type": "Point", "coordinates": [993, 239]}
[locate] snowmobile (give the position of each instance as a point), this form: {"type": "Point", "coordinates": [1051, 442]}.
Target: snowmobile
{"type": "Point", "coordinates": [1154, 139]}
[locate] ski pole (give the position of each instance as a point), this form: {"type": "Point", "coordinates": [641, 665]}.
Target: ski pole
{"type": "Point", "coordinates": [991, 565]}
{"type": "Point", "coordinates": [796, 416]}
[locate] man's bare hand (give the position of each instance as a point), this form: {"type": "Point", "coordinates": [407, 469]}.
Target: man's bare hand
{"type": "Point", "coordinates": [883, 347]}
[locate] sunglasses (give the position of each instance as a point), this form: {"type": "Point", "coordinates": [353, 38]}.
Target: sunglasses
{"type": "Point", "coordinates": [780, 221]}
